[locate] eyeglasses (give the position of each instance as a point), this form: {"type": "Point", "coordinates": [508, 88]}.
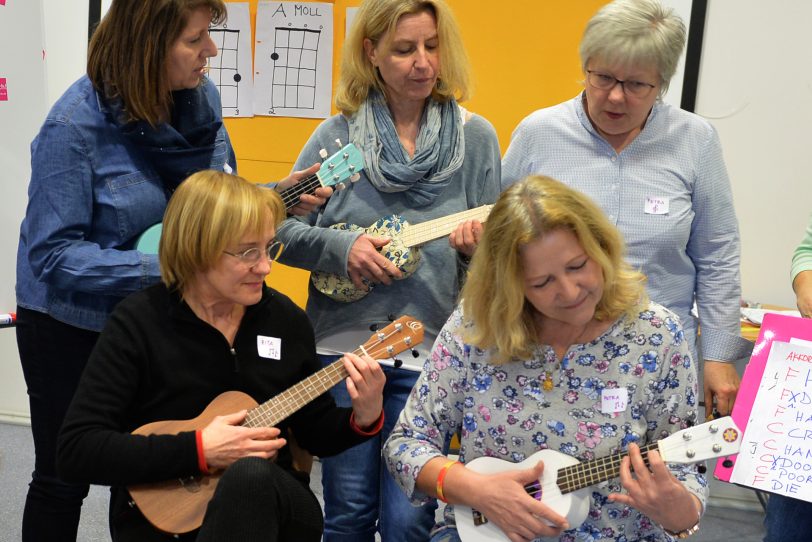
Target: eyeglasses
{"type": "Point", "coordinates": [604, 81]}
{"type": "Point", "coordinates": [252, 255]}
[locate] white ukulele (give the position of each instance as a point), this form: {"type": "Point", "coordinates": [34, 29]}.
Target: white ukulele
{"type": "Point", "coordinates": [564, 483]}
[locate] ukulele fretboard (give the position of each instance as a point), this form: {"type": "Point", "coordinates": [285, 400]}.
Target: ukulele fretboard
{"type": "Point", "coordinates": [417, 234]}
{"type": "Point", "coordinates": [593, 472]}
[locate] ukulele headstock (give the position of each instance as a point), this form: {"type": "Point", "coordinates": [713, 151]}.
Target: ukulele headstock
{"type": "Point", "coordinates": [402, 334]}
{"type": "Point", "coordinates": [342, 166]}
{"type": "Point", "coordinates": [712, 439]}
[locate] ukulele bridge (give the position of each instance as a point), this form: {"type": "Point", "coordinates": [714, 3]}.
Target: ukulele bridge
{"type": "Point", "coordinates": [190, 483]}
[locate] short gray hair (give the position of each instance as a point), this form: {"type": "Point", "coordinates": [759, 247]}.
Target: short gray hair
{"type": "Point", "coordinates": [634, 32]}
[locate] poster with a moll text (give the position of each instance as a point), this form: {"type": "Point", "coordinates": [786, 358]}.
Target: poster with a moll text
{"type": "Point", "coordinates": [776, 452]}
{"type": "Point", "coordinates": [293, 59]}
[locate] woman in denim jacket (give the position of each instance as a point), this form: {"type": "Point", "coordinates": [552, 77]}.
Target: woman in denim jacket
{"type": "Point", "coordinates": [110, 153]}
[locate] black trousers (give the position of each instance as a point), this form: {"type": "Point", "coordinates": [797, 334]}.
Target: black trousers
{"type": "Point", "coordinates": [255, 501]}
{"type": "Point", "coordinates": [53, 355]}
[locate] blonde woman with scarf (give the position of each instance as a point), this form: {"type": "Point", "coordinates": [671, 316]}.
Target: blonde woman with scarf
{"type": "Point", "coordinates": [403, 72]}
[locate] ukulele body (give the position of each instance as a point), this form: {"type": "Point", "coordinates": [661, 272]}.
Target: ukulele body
{"type": "Point", "coordinates": [178, 505]}
{"type": "Point", "coordinates": [574, 506]}
{"type": "Point", "coordinates": [405, 258]}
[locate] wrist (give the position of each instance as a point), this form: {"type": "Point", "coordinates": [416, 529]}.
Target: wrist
{"type": "Point", "coordinates": [681, 533]}
{"type": "Point", "coordinates": [441, 478]}
{"type": "Point", "coordinates": [367, 431]}
{"type": "Point", "coordinates": [685, 533]}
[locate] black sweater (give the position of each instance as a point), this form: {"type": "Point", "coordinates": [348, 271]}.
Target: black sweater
{"type": "Point", "coordinates": [155, 360]}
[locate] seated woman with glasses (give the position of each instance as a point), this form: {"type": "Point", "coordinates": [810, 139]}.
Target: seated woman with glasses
{"type": "Point", "coordinates": [658, 173]}
{"type": "Point", "coordinates": [212, 326]}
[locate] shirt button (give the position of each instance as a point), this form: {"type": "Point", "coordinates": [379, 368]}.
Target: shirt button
{"type": "Point", "coordinates": [614, 159]}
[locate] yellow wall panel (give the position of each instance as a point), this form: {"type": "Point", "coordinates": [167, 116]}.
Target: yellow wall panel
{"type": "Point", "coordinates": [524, 55]}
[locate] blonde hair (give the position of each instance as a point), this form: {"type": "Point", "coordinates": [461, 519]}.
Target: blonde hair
{"type": "Point", "coordinates": [209, 211]}
{"type": "Point", "coordinates": [127, 55]}
{"type": "Point", "coordinates": [635, 32]}
{"type": "Point", "coordinates": [493, 295]}
{"type": "Point", "coordinates": [376, 19]}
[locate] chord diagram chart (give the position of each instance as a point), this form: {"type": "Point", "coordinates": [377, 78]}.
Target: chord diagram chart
{"type": "Point", "coordinates": [232, 69]}
{"type": "Point", "coordinates": [224, 68]}
{"type": "Point", "coordinates": [295, 68]}
{"type": "Point", "coordinates": [293, 59]}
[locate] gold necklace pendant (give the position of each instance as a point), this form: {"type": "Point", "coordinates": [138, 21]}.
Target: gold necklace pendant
{"type": "Point", "coordinates": [547, 385]}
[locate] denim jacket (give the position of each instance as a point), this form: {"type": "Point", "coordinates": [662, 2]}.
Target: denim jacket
{"type": "Point", "coordinates": [91, 195]}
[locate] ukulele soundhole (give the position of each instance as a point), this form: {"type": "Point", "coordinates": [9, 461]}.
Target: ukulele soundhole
{"type": "Point", "coordinates": [190, 483]}
{"type": "Point", "coordinates": [534, 490]}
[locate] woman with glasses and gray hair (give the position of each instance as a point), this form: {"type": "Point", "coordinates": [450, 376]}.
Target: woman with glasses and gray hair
{"type": "Point", "coordinates": [169, 351]}
{"type": "Point", "coordinates": [658, 173]}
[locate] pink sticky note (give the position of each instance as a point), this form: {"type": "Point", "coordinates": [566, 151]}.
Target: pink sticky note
{"type": "Point", "coordinates": [2, 2]}
{"type": "Point", "coordinates": [3, 89]}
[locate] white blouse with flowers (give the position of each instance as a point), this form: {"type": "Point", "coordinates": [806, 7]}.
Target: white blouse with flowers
{"type": "Point", "coordinates": [512, 410]}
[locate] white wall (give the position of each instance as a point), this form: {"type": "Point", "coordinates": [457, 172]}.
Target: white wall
{"type": "Point", "coordinates": [34, 84]}
{"type": "Point", "coordinates": [755, 86]}
{"type": "Point", "coordinates": [66, 43]}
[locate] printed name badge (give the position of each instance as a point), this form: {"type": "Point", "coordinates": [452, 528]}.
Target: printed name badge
{"type": "Point", "coordinates": [614, 400]}
{"type": "Point", "coordinates": [656, 205]}
{"type": "Point", "coordinates": [269, 347]}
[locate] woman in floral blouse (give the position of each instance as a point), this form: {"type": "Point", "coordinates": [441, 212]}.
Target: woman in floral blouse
{"type": "Point", "coordinates": [553, 322]}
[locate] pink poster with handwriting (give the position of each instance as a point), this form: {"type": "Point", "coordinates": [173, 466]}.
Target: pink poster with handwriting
{"type": "Point", "coordinates": [2, 2]}
{"type": "Point", "coordinates": [3, 88]}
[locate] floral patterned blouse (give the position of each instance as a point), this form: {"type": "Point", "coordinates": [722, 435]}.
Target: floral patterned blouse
{"type": "Point", "coordinates": [512, 410]}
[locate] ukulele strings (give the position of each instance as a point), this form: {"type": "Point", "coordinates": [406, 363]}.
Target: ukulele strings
{"type": "Point", "coordinates": [573, 473]}
{"type": "Point", "coordinates": [292, 194]}
{"type": "Point", "coordinates": [425, 231]}
{"type": "Point", "coordinates": [290, 400]}
{"type": "Point", "coordinates": [304, 186]}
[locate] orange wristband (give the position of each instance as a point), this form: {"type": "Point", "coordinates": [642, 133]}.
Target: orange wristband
{"type": "Point", "coordinates": [441, 477]}
{"type": "Point", "coordinates": [201, 458]}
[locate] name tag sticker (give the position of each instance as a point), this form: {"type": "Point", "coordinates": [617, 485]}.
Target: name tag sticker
{"type": "Point", "coordinates": [269, 347]}
{"type": "Point", "coordinates": [614, 400]}
{"type": "Point", "coordinates": [656, 205]}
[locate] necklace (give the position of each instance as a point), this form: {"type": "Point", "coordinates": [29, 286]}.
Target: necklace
{"type": "Point", "coordinates": [548, 385]}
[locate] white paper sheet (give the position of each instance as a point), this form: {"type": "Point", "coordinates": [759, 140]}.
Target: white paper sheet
{"type": "Point", "coordinates": [293, 59]}
{"type": "Point", "coordinates": [232, 70]}
{"type": "Point", "coordinates": [776, 452]}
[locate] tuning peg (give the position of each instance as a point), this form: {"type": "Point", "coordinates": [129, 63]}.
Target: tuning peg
{"type": "Point", "coordinates": [415, 353]}
{"type": "Point", "coordinates": [338, 142]}
{"type": "Point", "coordinates": [341, 186]}
{"type": "Point", "coordinates": [391, 317]}
{"type": "Point", "coordinates": [355, 177]}
{"type": "Point", "coordinates": [398, 364]}
{"type": "Point", "coordinates": [323, 154]}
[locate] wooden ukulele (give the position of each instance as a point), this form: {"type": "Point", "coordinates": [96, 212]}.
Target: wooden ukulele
{"type": "Point", "coordinates": [177, 506]}
{"type": "Point", "coordinates": [402, 250]}
{"type": "Point", "coordinates": [564, 483]}
{"type": "Point", "coordinates": [342, 166]}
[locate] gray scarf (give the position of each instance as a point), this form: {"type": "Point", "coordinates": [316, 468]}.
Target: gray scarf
{"type": "Point", "coordinates": [439, 149]}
